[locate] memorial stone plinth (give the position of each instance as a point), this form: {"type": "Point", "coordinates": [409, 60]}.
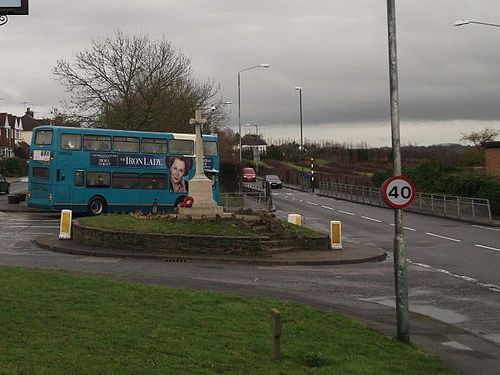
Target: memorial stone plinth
{"type": "Point", "coordinates": [200, 187]}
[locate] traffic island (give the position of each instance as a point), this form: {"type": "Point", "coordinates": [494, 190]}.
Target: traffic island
{"type": "Point", "coordinates": [242, 234]}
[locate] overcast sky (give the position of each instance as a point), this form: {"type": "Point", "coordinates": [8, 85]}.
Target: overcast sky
{"type": "Point", "coordinates": [449, 77]}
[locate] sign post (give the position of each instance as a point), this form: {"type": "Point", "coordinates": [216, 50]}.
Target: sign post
{"type": "Point", "coordinates": [400, 267]}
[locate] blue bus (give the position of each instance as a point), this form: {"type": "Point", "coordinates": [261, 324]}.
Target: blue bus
{"type": "Point", "coordinates": [102, 170]}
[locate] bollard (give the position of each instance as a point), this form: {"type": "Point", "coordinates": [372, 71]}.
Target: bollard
{"type": "Point", "coordinates": [65, 226]}
{"type": "Point", "coordinates": [276, 332]}
{"type": "Point", "coordinates": [295, 219]}
{"type": "Point", "coordinates": [336, 235]}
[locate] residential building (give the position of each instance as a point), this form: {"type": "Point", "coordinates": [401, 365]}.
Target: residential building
{"type": "Point", "coordinates": [17, 131]}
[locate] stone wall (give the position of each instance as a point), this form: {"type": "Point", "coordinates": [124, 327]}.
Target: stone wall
{"type": "Point", "coordinates": [192, 244]}
{"type": "Point", "coordinates": [182, 244]}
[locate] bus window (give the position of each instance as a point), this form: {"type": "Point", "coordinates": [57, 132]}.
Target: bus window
{"type": "Point", "coordinates": [98, 179]}
{"type": "Point", "coordinates": [71, 141]}
{"type": "Point", "coordinates": [153, 181]}
{"type": "Point", "coordinates": [126, 181]}
{"type": "Point", "coordinates": [209, 148]}
{"type": "Point", "coordinates": [154, 146]}
{"type": "Point", "coordinates": [40, 172]}
{"type": "Point", "coordinates": [126, 144]}
{"type": "Point", "coordinates": [96, 142]}
{"type": "Point", "coordinates": [44, 137]}
{"type": "Point", "coordinates": [79, 178]}
{"type": "Point", "coordinates": [181, 146]}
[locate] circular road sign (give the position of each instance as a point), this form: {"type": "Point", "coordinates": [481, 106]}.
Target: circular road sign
{"type": "Point", "coordinates": [399, 192]}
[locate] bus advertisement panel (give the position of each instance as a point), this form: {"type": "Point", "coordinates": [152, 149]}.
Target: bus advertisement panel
{"type": "Point", "coordinates": [100, 170]}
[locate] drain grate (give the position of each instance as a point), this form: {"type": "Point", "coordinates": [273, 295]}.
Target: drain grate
{"type": "Point", "coordinates": [175, 260]}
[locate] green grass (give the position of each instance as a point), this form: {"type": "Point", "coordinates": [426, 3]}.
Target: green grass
{"type": "Point", "coordinates": [198, 227]}
{"type": "Point", "coordinates": [56, 323]}
{"type": "Point", "coordinates": [308, 232]}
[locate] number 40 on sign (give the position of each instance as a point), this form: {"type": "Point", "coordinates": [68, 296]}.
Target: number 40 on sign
{"type": "Point", "coordinates": [399, 192]}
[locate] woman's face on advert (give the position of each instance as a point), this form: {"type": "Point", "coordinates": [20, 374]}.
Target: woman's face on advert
{"type": "Point", "coordinates": [177, 170]}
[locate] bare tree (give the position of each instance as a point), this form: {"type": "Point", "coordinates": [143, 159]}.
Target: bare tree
{"type": "Point", "coordinates": [134, 82]}
{"type": "Point", "coordinates": [479, 138]}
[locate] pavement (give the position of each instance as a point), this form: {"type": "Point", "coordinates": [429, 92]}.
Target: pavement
{"type": "Point", "coordinates": [463, 351]}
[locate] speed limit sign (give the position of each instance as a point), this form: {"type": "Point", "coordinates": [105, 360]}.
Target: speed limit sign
{"type": "Point", "coordinates": [399, 192]}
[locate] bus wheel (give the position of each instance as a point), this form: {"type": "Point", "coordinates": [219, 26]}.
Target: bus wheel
{"type": "Point", "coordinates": [97, 206]}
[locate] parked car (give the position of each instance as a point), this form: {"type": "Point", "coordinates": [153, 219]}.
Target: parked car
{"type": "Point", "coordinates": [249, 175]}
{"type": "Point", "coordinates": [273, 180]}
{"type": "Point", "coordinates": [4, 185]}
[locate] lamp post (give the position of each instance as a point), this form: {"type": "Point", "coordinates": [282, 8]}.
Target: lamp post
{"type": "Point", "coordinates": [467, 22]}
{"type": "Point", "coordinates": [239, 98]}
{"type": "Point", "coordinates": [299, 89]}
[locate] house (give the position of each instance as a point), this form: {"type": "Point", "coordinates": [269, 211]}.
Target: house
{"type": "Point", "coordinates": [253, 142]}
{"type": "Point", "coordinates": [17, 131]}
{"type": "Point", "coordinates": [492, 157]}
{"type": "Point", "coordinates": [7, 128]}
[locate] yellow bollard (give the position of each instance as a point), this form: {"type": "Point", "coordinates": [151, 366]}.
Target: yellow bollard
{"type": "Point", "coordinates": [295, 219]}
{"type": "Point", "coordinates": [336, 235]}
{"type": "Point", "coordinates": [65, 226]}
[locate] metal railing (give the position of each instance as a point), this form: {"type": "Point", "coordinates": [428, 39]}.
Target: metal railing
{"type": "Point", "coordinates": [435, 204]}
{"type": "Point", "coordinates": [256, 201]}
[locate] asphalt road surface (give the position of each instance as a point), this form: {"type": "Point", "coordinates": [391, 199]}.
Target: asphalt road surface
{"type": "Point", "coordinates": [453, 266]}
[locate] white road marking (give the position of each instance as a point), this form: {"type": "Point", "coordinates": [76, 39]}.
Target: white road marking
{"type": "Point", "coordinates": [487, 247]}
{"type": "Point", "coordinates": [347, 213]}
{"type": "Point", "coordinates": [328, 208]}
{"type": "Point", "coordinates": [443, 237]}
{"type": "Point", "coordinates": [3, 214]}
{"type": "Point", "coordinates": [314, 204]}
{"type": "Point", "coordinates": [488, 228]}
{"type": "Point", "coordinates": [371, 219]}
{"type": "Point", "coordinates": [492, 287]}
{"type": "Point", "coordinates": [407, 228]}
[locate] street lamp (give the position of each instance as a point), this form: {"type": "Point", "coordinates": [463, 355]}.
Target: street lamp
{"type": "Point", "coordinates": [239, 97]}
{"type": "Point", "coordinates": [467, 22]}
{"type": "Point", "coordinates": [299, 89]}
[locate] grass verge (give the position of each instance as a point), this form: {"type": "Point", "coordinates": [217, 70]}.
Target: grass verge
{"type": "Point", "coordinates": [57, 323]}
{"type": "Point", "coordinates": [195, 227]}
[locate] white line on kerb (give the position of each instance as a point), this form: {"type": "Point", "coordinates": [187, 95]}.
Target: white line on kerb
{"type": "Point", "coordinates": [487, 247]}
{"type": "Point", "coordinates": [443, 237]}
{"type": "Point", "coordinates": [328, 208]}
{"type": "Point", "coordinates": [347, 213]}
{"type": "Point", "coordinates": [314, 204]}
{"type": "Point", "coordinates": [371, 219]}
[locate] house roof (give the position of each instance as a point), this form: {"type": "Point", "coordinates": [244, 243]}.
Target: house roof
{"type": "Point", "coordinates": [252, 140]}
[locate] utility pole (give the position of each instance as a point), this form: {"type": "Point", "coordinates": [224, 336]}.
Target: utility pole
{"type": "Point", "coordinates": [400, 266]}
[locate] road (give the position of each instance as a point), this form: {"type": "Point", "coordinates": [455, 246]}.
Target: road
{"type": "Point", "coordinates": [453, 266]}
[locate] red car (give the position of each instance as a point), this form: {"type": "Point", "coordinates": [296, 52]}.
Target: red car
{"type": "Point", "coordinates": [249, 175]}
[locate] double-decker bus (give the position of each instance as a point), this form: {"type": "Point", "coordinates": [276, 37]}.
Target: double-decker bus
{"type": "Point", "coordinates": [103, 170]}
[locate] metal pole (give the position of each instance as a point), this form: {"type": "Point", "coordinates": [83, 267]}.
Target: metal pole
{"type": "Point", "coordinates": [400, 266]}
{"type": "Point", "coordinates": [301, 134]}
{"type": "Point", "coordinates": [239, 113]}
{"type": "Point", "coordinates": [312, 174]}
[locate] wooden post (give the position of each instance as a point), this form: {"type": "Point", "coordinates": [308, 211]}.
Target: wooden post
{"type": "Point", "coordinates": [276, 332]}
